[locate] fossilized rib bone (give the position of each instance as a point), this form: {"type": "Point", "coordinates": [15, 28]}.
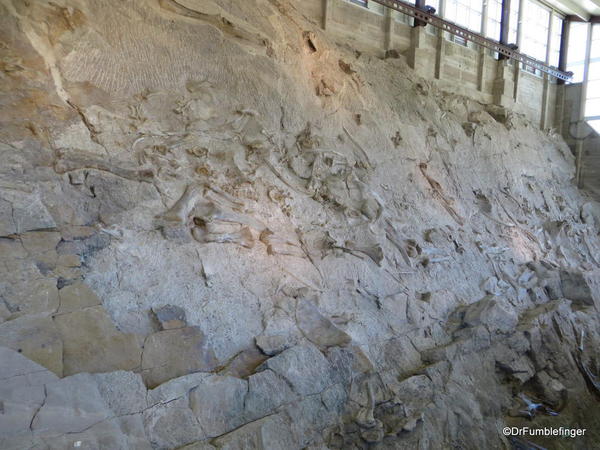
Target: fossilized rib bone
{"type": "Point", "coordinates": [242, 237]}
{"type": "Point", "coordinates": [437, 189]}
{"type": "Point", "coordinates": [197, 203]}
{"type": "Point", "coordinates": [82, 160]}
{"type": "Point", "coordinates": [203, 209]}
{"type": "Point", "coordinates": [279, 244]}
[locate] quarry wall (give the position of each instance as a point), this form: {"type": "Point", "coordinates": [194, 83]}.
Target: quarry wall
{"type": "Point", "coordinates": [461, 68]}
{"type": "Point", "coordinates": [223, 227]}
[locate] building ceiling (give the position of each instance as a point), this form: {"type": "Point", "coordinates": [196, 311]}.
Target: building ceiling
{"type": "Point", "coordinates": [583, 9]}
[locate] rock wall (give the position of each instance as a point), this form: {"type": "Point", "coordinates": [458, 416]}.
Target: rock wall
{"type": "Point", "coordinates": [218, 229]}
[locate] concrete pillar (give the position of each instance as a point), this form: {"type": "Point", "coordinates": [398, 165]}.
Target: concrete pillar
{"type": "Point", "coordinates": [564, 46]}
{"type": "Point", "coordinates": [517, 69]}
{"type": "Point", "coordinates": [440, 50]}
{"type": "Point", "coordinates": [503, 84]}
{"type": "Point", "coordinates": [480, 68]}
{"type": "Point", "coordinates": [580, 123]}
{"type": "Point", "coordinates": [546, 78]}
{"type": "Point", "coordinates": [388, 43]}
{"type": "Point", "coordinates": [417, 53]}
{"type": "Point", "coordinates": [481, 50]}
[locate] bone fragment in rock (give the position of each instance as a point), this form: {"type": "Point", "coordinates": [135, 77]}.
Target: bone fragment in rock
{"type": "Point", "coordinates": [363, 153]}
{"type": "Point", "coordinates": [371, 428]}
{"type": "Point", "coordinates": [437, 189]}
{"type": "Point", "coordinates": [68, 162]}
{"type": "Point", "coordinates": [281, 245]}
{"type": "Point", "coordinates": [197, 204]}
{"type": "Point", "coordinates": [283, 180]}
{"type": "Point", "coordinates": [491, 249]}
{"type": "Point", "coordinates": [242, 237]}
{"type": "Point", "coordinates": [180, 211]}
{"type": "Point", "coordinates": [393, 235]}
{"type": "Point", "coordinates": [375, 252]}
{"type": "Point", "coordinates": [208, 211]}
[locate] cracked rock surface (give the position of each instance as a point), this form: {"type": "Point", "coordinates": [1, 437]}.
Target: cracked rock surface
{"type": "Point", "coordinates": [220, 229]}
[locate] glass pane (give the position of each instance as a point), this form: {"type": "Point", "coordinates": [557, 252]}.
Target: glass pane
{"type": "Point", "coordinates": [576, 50]}
{"type": "Point", "coordinates": [592, 107]}
{"type": "Point", "coordinates": [595, 124]}
{"type": "Point", "coordinates": [594, 72]}
{"type": "Point", "coordinates": [595, 50]}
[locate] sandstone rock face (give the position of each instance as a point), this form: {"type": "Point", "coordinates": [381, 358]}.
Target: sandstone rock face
{"type": "Point", "coordinates": [221, 229]}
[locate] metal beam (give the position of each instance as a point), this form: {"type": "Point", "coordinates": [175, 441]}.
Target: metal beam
{"type": "Point", "coordinates": [468, 35]}
{"type": "Point", "coordinates": [573, 7]}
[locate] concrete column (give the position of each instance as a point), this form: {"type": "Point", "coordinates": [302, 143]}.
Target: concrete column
{"type": "Point", "coordinates": [546, 77]}
{"type": "Point", "coordinates": [503, 84]}
{"type": "Point", "coordinates": [388, 43]}
{"type": "Point", "coordinates": [484, 16]}
{"type": "Point", "coordinates": [580, 123]}
{"type": "Point", "coordinates": [480, 67]}
{"type": "Point", "coordinates": [564, 46]}
{"type": "Point", "coordinates": [517, 70]}
{"type": "Point", "coordinates": [440, 48]}
{"type": "Point", "coordinates": [417, 55]}
{"type": "Point", "coordinates": [481, 50]}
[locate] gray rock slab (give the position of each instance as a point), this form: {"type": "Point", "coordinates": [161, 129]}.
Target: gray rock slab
{"type": "Point", "coordinates": [304, 367]}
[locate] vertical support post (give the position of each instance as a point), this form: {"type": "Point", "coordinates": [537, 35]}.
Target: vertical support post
{"type": "Point", "coordinates": [484, 16]}
{"type": "Point", "coordinates": [389, 30]}
{"type": "Point", "coordinates": [559, 113]}
{"type": "Point", "coordinates": [482, 50]}
{"type": "Point", "coordinates": [504, 24]}
{"type": "Point", "coordinates": [580, 123]}
{"type": "Point", "coordinates": [441, 45]}
{"type": "Point", "coordinates": [564, 46]}
{"type": "Point", "coordinates": [546, 77]}
{"type": "Point", "coordinates": [421, 5]}
{"type": "Point", "coordinates": [517, 72]}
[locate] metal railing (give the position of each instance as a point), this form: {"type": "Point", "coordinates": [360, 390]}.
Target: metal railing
{"type": "Point", "coordinates": [457, 30]}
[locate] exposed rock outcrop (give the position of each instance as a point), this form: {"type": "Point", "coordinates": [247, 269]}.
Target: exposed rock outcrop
{"type": "Point", "coordinates": [220, 229]}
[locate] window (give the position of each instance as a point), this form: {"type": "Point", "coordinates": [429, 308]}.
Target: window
{"type": "Point", "coordinates": [557, 24]}
{"type": "Point", "coordinates": [494, 18]}
{"type": "Point", "coordinates": [466, 13]}
{"type": "Point", "coordinates": [536, 20]}
{"type": "Point", "coordinates": [576, 51]}
{"type": "Point", "coordinates": [360, 2]}
{"type": "Point", "coordinates": [592, 103]}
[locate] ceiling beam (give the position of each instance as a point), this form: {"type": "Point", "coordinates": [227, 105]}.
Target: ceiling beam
{"type": "Point", "coordinates": [575, 8]}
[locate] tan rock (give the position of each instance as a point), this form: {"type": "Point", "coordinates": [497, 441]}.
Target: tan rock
{"type": "Point", "coordinates": [37, 338]}
{"type": "Point", "coordinates": [172, 353]}
{"type": "Point", "coordinates": [93, 344]}
{"type": "Point", "coordinates": [76, 296]}
{"type": "Point", "coordinates": [68, 260]}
